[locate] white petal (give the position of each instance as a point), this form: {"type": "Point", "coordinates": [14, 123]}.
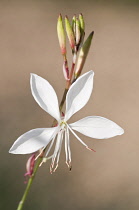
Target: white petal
{"type": "Point", "coordinates": [33, 140]}
{"type": "Point", "coordinates": [97, 127]}
{"type": "Point", "coordinates": [79, 94]}
{"type": "Point", "coordinates": [45, 95]}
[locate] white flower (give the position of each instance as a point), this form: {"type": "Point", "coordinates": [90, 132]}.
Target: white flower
{"type": "Point", "coordinates": [77, 97]}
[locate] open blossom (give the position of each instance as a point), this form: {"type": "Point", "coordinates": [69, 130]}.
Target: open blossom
{"type": "Point", "coordinates": [77, 97]}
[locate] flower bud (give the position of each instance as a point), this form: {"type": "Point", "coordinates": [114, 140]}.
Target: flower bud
{"type": "Point", "coordinates": [74, 24]}
{"type": "Point", "coordinates": [70, 33]}
{"type": "Point", "coordinates": [83, 54]}
{"type": "Point", "coordinates": [82, 29]}
{"type": "Point", "coordinates": [82, 24]}
{"type": "Point", "coordinates": [61, 35]}
{"type": "Point", "coordinates": [30, 166]}
{"type": "Point", "coordinates": [78, 33]}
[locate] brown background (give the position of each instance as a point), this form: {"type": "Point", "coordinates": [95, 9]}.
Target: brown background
{"type": "Point", "coordinates": [109, 178]}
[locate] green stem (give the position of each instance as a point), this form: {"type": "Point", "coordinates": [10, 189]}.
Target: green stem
{"type": "Point", "coordinates": [63, 99]}
{"type": "Point", "coordinates": [21, 203]}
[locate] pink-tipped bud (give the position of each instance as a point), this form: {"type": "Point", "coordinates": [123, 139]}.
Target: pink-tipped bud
{"type": "Point", "coordinates": [61, 35]}
{"type": "Point", "coordinates": [30, 166]}
{"type": "Point", "coordinates": [70, 33]}
{"type": "Point", "coordinates": [83, 54]}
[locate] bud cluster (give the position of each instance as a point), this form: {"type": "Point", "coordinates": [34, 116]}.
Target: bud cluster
{"type": "Point", "coordinates": [75, 31]}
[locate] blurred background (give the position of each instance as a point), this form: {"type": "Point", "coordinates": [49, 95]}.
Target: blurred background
{"type": "Point", "coordinates": [109, 178]}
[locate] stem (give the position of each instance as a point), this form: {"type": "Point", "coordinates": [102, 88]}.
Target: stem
{"type": "Point", "coordinates": [61, 105]}
{"type": "Point", "coordinates": [68, 84]}
{"type": "Point", "coordinates": [63, 99]}
{"type": "Point", "coordinates": [71, 71]}
{"type": "Point", "coordinates": [21, 203]}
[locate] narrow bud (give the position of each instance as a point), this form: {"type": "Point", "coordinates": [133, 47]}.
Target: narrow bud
{"type": "Point", "coordinates": [82, 29]}
{"type": "Point", "coordinates": [61, 35]}
{"type": "Point", "coordinates": [30, 166]}
{"type": "Point", "coordinates": [83, 54]}
{"type": "Point", "coordinates": [78, 33]}
{"type": "Point", "coordinates": [74, 24]}
{"type": "Point", "coordinates": [82, 23]}
{"type": "Point", "coordinates": [70, 33]}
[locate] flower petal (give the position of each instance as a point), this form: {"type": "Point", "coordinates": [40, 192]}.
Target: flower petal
{"type": "Point", "coordinates": [97, 127]}
{"type": "Point", "coordinates": [33, 140]}
{"type": "Point", "coordinates": [45, 95]}
{"type": "Point", "coordinates": [79, 94]}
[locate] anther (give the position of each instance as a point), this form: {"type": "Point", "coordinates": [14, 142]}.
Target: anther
{"type": "Point", "coordinates": [55, 168]}
{"type": "Point", "coordinates": [90, 149]}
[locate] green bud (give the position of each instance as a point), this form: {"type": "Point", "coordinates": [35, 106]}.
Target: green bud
{"type": "Point", "coordinates": [78, 33]}
{"type": "Point", "coordinates": [82, 23]}
{"type": "Point", "coordinates": [82, 29]}
{"type": "Point", "coordinates": [61, 35]}
{"type": "Point", "coordinates": [74, 24]}
{"type": "Point", "coordinates": [83, 54]}
{"type": "Point", "coordinates": [70, 33]}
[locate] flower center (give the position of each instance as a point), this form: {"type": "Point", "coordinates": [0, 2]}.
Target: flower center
{"type": "Point", "coordinates": [62, 124]}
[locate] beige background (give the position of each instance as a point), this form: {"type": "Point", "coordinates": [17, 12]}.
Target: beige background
{"type": "Point", "coordinates": [109, 178]}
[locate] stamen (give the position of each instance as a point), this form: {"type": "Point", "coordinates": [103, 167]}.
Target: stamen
{"type": "Point", "coordinates": [52, 165]}
{"type": "Point", "coordinates": [52, 142]}
{"type": "Point", "coordinates": [55, 168]}
{"type": "Point", "coordinates": [61, 139]}
{"type": "Point", "coordinates": [70, 168]}
{"type": "Point", "coordinates": [67, 149]}
{"type": "Point", "coordinates": [51, 170]}
{"type": "Point", "coordinates": [40, 153]}
{"type": "Point", "coordinates": [90, 149]}
{"type": "Point", "coordinates": [66, 145]}
{"type": "Point", "coordinates": [43, 161]}
{"type": "Point", "coordinates": [67, 164]}
{"type": "Point", "coordinates": [56, 151]}
{"type": "Point", "coordinates": [80, 139]}
{"type": "Point", "coordinates": [68, 140]}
